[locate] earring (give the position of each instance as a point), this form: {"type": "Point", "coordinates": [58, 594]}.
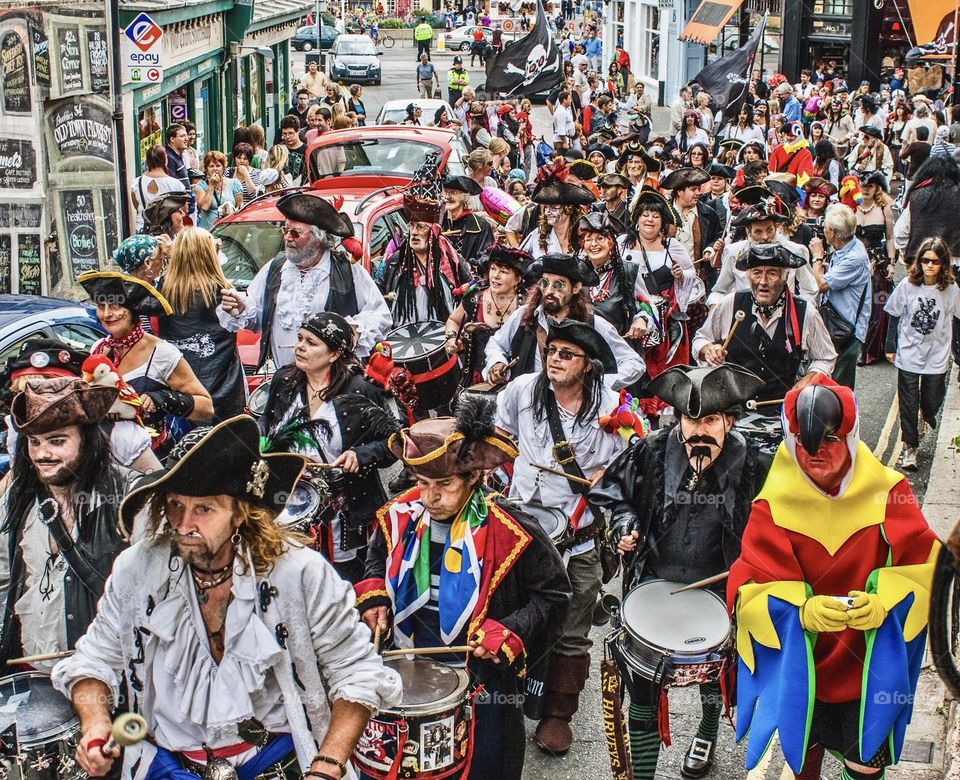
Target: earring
{"type": "Point", "coordinates": [236, 539]}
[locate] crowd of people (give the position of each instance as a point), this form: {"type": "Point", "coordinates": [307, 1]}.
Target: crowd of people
{"type": "Point", "coordinates": [606, 325]}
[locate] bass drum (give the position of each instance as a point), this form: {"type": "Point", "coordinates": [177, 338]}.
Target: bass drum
{"type": "Point", "coordinates": [419, 348]}
{"type": "Point", "coordinates": [760, 430]}
{"type": "Point", "coordinates": [430, 734]}
{"type": "Point", "coordinates": [39, 730]}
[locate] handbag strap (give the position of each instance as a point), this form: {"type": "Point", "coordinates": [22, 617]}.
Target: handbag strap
{"type": "Point", "coordinates": [571, 467]}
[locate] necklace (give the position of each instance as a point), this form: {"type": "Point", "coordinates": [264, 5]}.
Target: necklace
{"type": "Point", "coordinates": [867, 210]}
{"type": "Point", "coordinates": [202, 585]}
{"type": "Point", "coordinates": [315, 393]}
{"type": "Point", "coordinates": [495, 305]}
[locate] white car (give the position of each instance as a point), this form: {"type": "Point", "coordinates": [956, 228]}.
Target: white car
{"type": "Point", "coordinates": [461, 38]}
{"type": "Point", "coordinates": [395, 111]}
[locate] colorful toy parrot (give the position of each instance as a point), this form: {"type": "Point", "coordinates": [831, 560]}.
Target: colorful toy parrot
{"type": "Point", "coordinates": [99, 371]}
{"type": "Point", "coordinates": [380, 365]}
{"type": "Point", "coordinates": [625, 419]}
{"type": "Point", "coordinates": [850, 194]}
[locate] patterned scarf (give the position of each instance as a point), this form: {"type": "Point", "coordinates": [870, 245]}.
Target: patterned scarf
{"type": "Point", "coordinates": [119, 347]}
{"type": "Point", "coordinates": [408, 570]}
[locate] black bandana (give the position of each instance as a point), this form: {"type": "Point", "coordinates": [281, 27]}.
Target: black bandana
{"type": "Point", "coordinates": [768, 311]}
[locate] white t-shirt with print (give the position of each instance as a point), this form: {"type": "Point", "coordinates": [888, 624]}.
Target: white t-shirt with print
{"type": "Point", "coordinates": [926, 325]}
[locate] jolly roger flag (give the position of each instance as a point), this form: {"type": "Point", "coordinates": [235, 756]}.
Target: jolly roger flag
{"type": "Point", "coordinates": [529, 65]}
{"type": "Point", "coordinates": [727, 80]}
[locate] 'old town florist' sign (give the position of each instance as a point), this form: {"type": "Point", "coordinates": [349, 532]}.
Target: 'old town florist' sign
{"type": "Point", "coordinates": [82, 127]}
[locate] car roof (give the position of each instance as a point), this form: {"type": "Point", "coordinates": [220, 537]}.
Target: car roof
{"type": "Point", "coordinates": [354, 37]}
{"type": "Point", "coordinates": [351, 200]}
{"type": "Point", "coordinates": [431, 135]}
{"type": "Point", "coordinates": [16, 307]}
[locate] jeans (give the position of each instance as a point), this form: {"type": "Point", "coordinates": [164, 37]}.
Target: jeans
{"type": "Point", "coordinates": [845, 369]}
{"type": "Point", "coordinates": [918, 393]}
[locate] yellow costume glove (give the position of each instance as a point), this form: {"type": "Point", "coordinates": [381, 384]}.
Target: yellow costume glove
{"type": "Point", "coordinates": [867, 611]}
{"type": "Point", "coordinates": [823, 613]}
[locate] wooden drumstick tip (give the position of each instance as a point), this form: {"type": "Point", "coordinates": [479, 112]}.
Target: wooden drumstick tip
{"type": "Point", "coordinates": [737, 319]}
{"type": "Point", "coordinates": [128, 729]}
{"type": "Point", "coordinates": [753, 405]}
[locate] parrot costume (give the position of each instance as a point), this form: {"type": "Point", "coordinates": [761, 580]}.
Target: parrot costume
{"type": "Point", "coordinates": [802, 546]}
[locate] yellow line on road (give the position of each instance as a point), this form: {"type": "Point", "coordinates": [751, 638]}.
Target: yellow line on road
{"type": "Point", "coordinates": [887, 429]}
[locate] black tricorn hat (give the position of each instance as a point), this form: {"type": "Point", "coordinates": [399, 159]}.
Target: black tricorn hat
{"type": "Point", "coordinates": [685, 177]}
{"type": "Point", "coordinates": [723, 171]}
{"type": "Point", "coordinates": [634, 149]}
{"type": "Point", "coordinates": [614, 180]}
{"type": "Point", "coordinates": [507, 256]}
{"type": "Point", "coordinates": [774, 255]}
{"type": "Point", "coordinates": [122, 290]}
{"type": "Point", "coordinates": [583, 169]}
{"type": "Point", "coordinates": [313, 210]}
{"type": "Point", "coordinates": [563, 193]}
{"type": "Point", "coordinates": [604, 149]}
{"type": "Point", "coordinates": [461, 184]}
{"type": "Point", "coordinates": [224, 460]}
{"type": "Point", "coordinates": [570, 266]}
{"type": "Point", "coordinates": [585, 337]}
{"type": "Point", "coordinates": [698, 391]}
{"type": "Point", "coordinates": [650, 197]}
{"type": "Point", "coordinates": [871, 131]}
{"type": "Point", "coordinates": [600, 222]}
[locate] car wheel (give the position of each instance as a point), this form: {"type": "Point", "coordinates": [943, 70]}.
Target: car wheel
{"type": "Point", "coordinates": [465, 46]}
{"type": "Point", "coordinates": [307, 46]}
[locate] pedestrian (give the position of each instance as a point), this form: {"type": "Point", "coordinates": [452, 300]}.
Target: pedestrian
{"type": "Point", "coordinates": [193, 284]}
{"type": "Point", "coordinates": [477, 46]}
{"type": "Point", "coordinates": [355, 104]}
{"type": "Point", "coordinates": [153, 183]}
{"type": "Point", "coordinates": [564, 129]}
{"type": "Point", "coordinates": [243, 172]}
{"type": "Point", "coordinates": [875, 229]}
{"type": "Point", "coordinates": [314, 81]}
{"type": "Point", "coordinates": [427, 77]}
{"type": "Point", "coordinates": [296, 149]}
{"type": "Point", "coordinates": [176, 140]}
{"type": "Point", "coordinates": [923, 309]}
{"type": "Point", "coordinates": [423, 35]}
{"type": "Point", "coordinates": [301, 107]}
{"type": "Point", "coordinates": [218, 195]}
{"type": "Point", "coordinates": [458, 79]}
{"type": "Point", "coordinates": [274, 176]}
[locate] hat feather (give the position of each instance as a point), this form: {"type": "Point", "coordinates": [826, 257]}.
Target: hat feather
{"type": "Point", "coordinates": [475, 420]}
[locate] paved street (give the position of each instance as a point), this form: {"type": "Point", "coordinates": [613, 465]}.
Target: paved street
{"type": "Point", "coordinates": [876, 392]}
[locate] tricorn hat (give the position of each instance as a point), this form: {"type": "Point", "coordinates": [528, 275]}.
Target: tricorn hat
{"type": "Point", "coordinates": [600, 222]}
{"type": "Point", "coordinates": [221, 460]}
{"type": "Point", "coordinates": [685, 177]}
{"type": "Point", "coordinates": [585, 337]}
{"type": "Point", "coordinates": [314, 210]}
{"type": "Point", "coordinates": [507, 256]}
{"type": "Point", "coordinates": [614, 180]}
{"type": "Point", "coordinates": [584, 169]}
{"type": "Point", "coordinates": [570, 266]}
{"type": "Point", "coordinates": [462, 184]}
{"type": "Point", "coordinates": [48, 357]}
{"type": "Point", "coordinates": [650, 197]}
{"type": "Point", "coordinates": [121, 290]}
{"type": "Point", "coordinates": [446, 446]}
{"type": "Point", "coordinates": [562, 193]}
{"type": "Point", "coordinates": [871, 131]}
{"type": "Point", "coordinates": [163, 207]}
{"type": "Point", "coordinates": [774, 255]}
{"type": "Point", "coordinates": [723, 171]}
{"type": "Point", "coordinates": [635, 149]}
{"type": "Point", "coordinates": [696, 391]}
{"type": "Point", "coordinates": [49, 404]}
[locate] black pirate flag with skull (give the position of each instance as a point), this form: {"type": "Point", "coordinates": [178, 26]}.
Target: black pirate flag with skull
{"type": "Point", "coordinates": [529, 65]}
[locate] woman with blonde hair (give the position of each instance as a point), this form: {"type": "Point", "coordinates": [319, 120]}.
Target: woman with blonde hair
{"type": "Point", "coordinates": [217, 195]}
{"type": "Point", "coordinates": [258, 141]}
{"type": "Point", "coordinates": [274, 176]}
{"type": "Point", "coordinates": [192, 285]}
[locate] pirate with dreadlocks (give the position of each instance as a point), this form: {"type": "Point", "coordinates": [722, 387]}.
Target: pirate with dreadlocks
{"type": "Point", "coordinates": [679, 500]}
{"type": "Point", "coordinates": [562, 203]}
{"type": "Point", "coordinates": [420, 276]}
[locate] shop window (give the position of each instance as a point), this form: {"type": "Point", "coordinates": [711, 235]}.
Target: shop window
{"type": "Point", "coordinates": [651, 41]}
{"type": "Point", "coordinates": [833, 7]}
{"type": "Point", "coordinates": [201, 103]}
{"type": "Point", "coordinates": [150, 129]}
{"type": "Point", "coordinates": [256, 114]}
{"type": "Point", "coordinates": [177, 105]}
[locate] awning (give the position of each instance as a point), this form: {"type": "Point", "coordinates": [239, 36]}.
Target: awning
{"type": "Point", "coordinates": [708, 20]}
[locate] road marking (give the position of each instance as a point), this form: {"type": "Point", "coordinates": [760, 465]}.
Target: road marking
{"type": "Point", "coordinates": [897, 449]}
{"type": "Point", "coordinates": [887, 429]}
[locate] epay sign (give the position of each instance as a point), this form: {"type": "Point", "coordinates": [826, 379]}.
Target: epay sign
{"type": "Point", "coordinates": [143, 50]}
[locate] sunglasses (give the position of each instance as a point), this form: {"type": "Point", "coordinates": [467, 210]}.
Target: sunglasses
{"type": "Point", "coordinates": [292, 232]}
{"type": "Point", "coordinates": [564, 354]}
{"type": "Point", "coordinates": [545, 284]}
{"type": "Point", "coordinates": [930, 261]}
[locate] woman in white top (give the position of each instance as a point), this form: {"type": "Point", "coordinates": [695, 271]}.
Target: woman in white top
{"type": "Point", "coordinates": [691, 133]}
{"type": "Point", "coordinates": [925, 303]}
{"type": "Point", "coordinates": [561, 206]}
{"type": "Point", "coordinates": [244, 173]}
{"type": "Point", "coordinates": [154, 183]}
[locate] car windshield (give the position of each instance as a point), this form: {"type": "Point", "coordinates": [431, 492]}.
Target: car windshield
{"type": "Point", "coordinates": [360, 46]}
{"type": "Point", "coordinates": [373, 155]}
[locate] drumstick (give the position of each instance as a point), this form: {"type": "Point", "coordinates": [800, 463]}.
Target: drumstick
{"type": "Point", "coordinates": [128, 729]}
{"type": "Point", "coordinates": [751, 404]}
{"type": "Point", "coordinates": [376, 639]}
{"type": "Point", "coordinates": [29, 659]}
{"type": "Point", "coordinates": [428, 651]}
{"type": "Point", "coordinates": [702, 583]}
{"type": "Point", "coordinates": [579, 480]}
{"type": "Point", "coordinates": [737, 319]}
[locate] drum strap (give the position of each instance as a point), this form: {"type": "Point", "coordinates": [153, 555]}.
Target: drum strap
{"type": "Point", "coordinates": [611, 693]}
{"type": "Point", "coordinates": [89, 577]}
{"type": "Point", "coordinates": [562, 449]}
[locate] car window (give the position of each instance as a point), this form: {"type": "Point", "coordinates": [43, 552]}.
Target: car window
{"type": "Point", "coordinates": [380, 234]}
{"type": "Point", "coordinates": [248, 246]}
{"type": "Point", "coordinates": [370, 155]}
{"type": "Point", "coordinates": [76, 336]}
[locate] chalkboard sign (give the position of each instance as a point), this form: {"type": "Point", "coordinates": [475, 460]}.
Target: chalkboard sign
{"type": "Point", "coordinates": [108, 205]}
{"type": "Point", "coordinates": [82, 127]}
{"type": "Point", "coordinates": [6, 258]}
{"type": "Point", "coordinates": [71, 75]}
{"type": "Point", "coordinates": [28, 262]}
{"type": "Point", "coordinates": [80, 229]}
{"type": "Point", "coordinates": [41, 57]}
{"type": "Point", "coordinates": [18, 165]}
{"type": "Point", "coordinates": [16, 79]}
{"type": "Point", "coordinates": [22, 215]}
{"type": "Point", "coordinates": [97, 49]}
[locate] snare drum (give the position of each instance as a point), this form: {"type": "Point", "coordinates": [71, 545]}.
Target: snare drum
{"type": "Point", "coordinates": [761, 430]}
{"type": "Point", "coordinates": [258, 399]}
{"type": "Point", "coordinates": [429, 735]}
{"type": "Point", "coordinates": [419, 348]}
{"type": "Point", "coordinates": [39, 728]}
{"type": "Point", "coordinates": [678, 639]}
{"type": "Point", "coordinates": [552, 520]}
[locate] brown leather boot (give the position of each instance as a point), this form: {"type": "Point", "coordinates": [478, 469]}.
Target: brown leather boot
{"type": "Point", "coordinates": [565, 680]}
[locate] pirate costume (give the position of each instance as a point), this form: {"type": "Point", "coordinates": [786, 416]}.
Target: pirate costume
{"type": "Point", "coordinates": [292, 646]}
{"type": "Point", "coordinates": [489, 574]}
{"type": "Point", "coordinates": [689, 521]}
{"type": "Point", "coordinates": [469, 234]}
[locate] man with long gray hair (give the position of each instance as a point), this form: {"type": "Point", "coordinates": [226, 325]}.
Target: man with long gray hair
{"type": "Point", "coordinates": [307, 277]}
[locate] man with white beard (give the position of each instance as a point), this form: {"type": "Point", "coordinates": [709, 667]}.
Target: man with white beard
{"type": "Point", "coordinates": [306, 278]}
{"type": "Point", "coordinates": [761, 215]}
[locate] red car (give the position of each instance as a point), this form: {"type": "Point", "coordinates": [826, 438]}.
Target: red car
{"type": "Point", "coordinates": [384, 155]}
{"type": "Point", "coordinates": [251, 237]}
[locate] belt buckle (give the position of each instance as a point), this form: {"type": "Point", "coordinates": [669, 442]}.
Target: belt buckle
{"type": "Point", "coordinates": [563, 453]}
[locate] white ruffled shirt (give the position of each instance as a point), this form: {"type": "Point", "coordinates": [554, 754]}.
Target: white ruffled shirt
{"type": "Point", "coordinates": [198, 701]}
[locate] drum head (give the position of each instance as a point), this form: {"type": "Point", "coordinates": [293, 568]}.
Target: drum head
{"type": "Point", "coordinates": [694, 621]}
{"type": "Point", "coordinates": [416, 340]}
{"type": "Point", "coordinates": [258, 399]}
{"type": "Point", "coordinates": [428, 686]}
{"type": "Point", "coordinates": [40, 712]}
{"type": "Point", "coordinates": [304, 501]}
